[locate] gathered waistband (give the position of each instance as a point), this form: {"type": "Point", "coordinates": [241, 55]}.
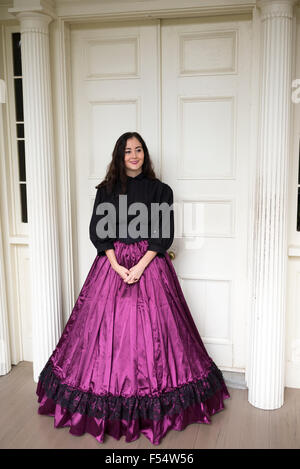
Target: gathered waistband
{"type": "Point", "coordinates": [130, 241]}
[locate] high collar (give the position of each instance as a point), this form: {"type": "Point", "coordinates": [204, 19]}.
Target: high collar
{"type": "Point", "coordinates": [138, 177]}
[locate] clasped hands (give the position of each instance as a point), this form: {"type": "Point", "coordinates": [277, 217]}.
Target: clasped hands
{"type": "Point", "coordinates": [131, 275]}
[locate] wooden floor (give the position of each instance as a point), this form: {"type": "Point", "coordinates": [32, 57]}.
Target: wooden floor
{"type": "Point", "coordinates": [238, 426]}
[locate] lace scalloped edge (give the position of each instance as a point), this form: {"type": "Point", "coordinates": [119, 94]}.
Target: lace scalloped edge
{"type": "Point", "coordinates": [129, 408]}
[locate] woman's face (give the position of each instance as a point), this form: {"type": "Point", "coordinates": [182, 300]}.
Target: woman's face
{"type": "Point", "coordinates": [134, 156]}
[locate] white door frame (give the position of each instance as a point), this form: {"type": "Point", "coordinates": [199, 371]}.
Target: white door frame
{"type": "Point", "coordinates": [64, 125]}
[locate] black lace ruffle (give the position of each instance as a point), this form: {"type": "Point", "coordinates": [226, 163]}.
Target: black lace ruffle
{"type": "Point", "coordinates": [129, 408]}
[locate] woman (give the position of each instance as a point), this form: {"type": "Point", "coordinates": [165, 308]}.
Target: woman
{"type": "Point", "coordinates": [130, 359]}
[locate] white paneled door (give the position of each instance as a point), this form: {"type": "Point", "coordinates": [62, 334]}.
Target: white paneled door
{"type": "Point", "coordinates": [185, 86]}
{"type": "Point", "coordinates": [206, 127]}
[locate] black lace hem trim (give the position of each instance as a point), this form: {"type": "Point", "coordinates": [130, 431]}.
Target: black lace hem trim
{"type": "Point", "coordinates": [129, 408]}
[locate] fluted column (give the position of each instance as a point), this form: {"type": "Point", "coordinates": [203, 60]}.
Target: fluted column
{"type": "Point", "coordinates": [42, 210]}
{"type": "Point", "coordinates": [5, 358]}
{"type": "Point", "coordinates": [266, 358]}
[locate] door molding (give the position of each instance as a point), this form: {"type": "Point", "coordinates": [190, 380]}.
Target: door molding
{"type": "Point", "coordinates": [88, 10]}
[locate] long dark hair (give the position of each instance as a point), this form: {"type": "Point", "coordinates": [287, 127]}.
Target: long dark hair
{"type": "Point", "coordinates": [116, 172]}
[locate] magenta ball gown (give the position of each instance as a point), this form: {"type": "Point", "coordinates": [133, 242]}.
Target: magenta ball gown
{"type": "Point", "coordinates": [130, 360]}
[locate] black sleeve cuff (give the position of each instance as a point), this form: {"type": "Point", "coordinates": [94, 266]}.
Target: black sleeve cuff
{"type": "Point", "coordinates": [157, 248]}
{"type": "Point", "coordinates": [101, 248]}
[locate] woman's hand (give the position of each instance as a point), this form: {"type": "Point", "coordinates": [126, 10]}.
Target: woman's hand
{"type": "Point", "coordinates": [122, 271]}
{"type": "Point", "coordinates": [135, 273]}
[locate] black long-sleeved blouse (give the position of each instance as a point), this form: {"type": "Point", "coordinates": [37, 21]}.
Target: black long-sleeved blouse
{"type": "Point", "coordinates": [139, 189]}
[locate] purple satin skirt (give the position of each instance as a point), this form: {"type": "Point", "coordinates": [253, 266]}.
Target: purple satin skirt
{"type": "Point", "coordinates": [130, 359]}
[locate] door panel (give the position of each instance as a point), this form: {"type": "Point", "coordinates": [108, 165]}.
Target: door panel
{"type": "Point", "coordinates": [205, 138]}
{"type": "Point", "coordinates": [115, 74]}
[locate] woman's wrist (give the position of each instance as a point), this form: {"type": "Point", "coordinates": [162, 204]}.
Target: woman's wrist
{"type": "Point", "coordinates": [147, 258]}
{"type": "Point", "coordinates": [110, 253]}
{"type": "Point", "coordinates": [114, 265]}
{"type": "Point", "coordinates": [143, 262]}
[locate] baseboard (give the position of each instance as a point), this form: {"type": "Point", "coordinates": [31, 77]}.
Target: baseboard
{"type": "Point", "coordinates": [234, 379]}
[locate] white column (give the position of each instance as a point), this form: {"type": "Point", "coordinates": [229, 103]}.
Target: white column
{"type": "Point", "coordinates": [40, 171]}
{"type": "Point", "coordinates": [267, 365]}
{"type": "Point", "coordinates": [5, 358]}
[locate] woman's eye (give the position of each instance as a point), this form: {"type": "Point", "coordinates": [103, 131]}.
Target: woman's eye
{"type": "Point", "coordinates": [129, 151]}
